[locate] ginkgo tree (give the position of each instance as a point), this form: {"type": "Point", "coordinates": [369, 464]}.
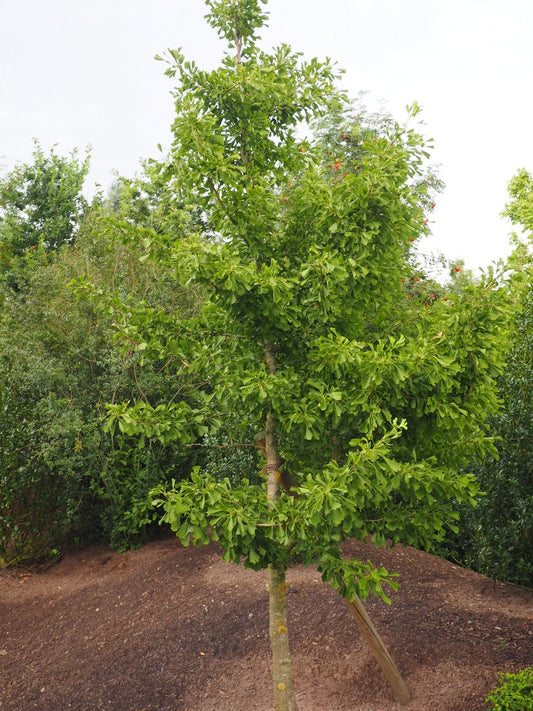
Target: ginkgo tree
{"type": "Point", "coordinates": [364, 399]}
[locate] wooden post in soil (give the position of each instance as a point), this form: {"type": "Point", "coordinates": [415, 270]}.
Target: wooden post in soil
{"type": "Point", "coordinates": [379, 650]}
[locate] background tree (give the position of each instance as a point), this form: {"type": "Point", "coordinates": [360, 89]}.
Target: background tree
{"type": "Point", "coordinates": [364, 404]}
{"type": "Point", "coordinates": [152, 201]}
{"type": "Point", "coordinates": [503, 532]}
{"type": "Point", "coordinates": [41, 203]}
{"type": "Point", "coordinates": [520, 209]}
{"type": "Point", "coordinates": [497, 537]}
{"type": "Point", "coordinates": [62, 475]}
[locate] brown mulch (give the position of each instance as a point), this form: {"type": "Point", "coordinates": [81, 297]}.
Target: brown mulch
{"type": "Point", "coordinates": [167, 628]}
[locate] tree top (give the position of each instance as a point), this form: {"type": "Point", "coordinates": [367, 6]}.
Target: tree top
{"type": "Point", "coordinates": [237, 21]}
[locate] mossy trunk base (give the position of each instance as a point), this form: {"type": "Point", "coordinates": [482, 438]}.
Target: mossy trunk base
{"type": "Point", "coordinates": [284, 697]}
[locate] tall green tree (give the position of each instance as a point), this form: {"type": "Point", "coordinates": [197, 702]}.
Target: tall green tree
{"type": "Point", "coordinates": [364, 400]}
{"type": "Point", "coordinates": [41, 203]}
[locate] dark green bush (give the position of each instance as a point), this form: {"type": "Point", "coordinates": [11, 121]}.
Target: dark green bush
{"type": "Point", "coordinates": [42, 472]}
{"type": "Point", "coordinates": [496, 538]}
{"type": "Point", "coordinates": [129, 472]}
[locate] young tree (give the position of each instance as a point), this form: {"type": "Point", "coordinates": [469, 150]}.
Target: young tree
{"type": "Point", "coordinates": [364, 401]}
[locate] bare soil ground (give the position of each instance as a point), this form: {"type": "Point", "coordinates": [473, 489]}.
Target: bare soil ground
{"type": "Point", "coordinates": [169, 628]}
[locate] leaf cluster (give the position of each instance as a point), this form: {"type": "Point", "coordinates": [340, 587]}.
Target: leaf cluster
{"type": "Point", "coordinates": [514, 692]}
{"type": "Point", "coordinates": [370, 495]}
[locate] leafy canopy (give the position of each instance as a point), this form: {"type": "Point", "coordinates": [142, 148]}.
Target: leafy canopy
{"type": "Point", "coordinates": [374, 399]}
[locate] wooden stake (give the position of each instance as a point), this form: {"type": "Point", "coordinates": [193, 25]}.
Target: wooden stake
{"type": "Point", "coordinates": [379, 649]}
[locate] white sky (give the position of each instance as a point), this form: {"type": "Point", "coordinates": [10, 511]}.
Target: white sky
{"type": "Point", "coordinates": [81, 72]}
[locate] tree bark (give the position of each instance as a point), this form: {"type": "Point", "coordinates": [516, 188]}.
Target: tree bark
{"type": "Point", "coordinates": [284, 696]}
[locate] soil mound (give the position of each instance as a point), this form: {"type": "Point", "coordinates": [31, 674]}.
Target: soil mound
{"type": "Point", "coordinates": [167, 628]}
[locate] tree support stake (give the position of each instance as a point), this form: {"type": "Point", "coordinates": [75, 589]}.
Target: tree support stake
{"type": "Point", "coordinates": [379, 649]}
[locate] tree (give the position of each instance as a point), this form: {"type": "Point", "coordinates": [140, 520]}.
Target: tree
{"type": "Point", "coordinates": [500, 530]}
{"type": "Point", "coordinates": [41, 203]}
{"type": "Point", "coordinates": [364, 402]}
{"type": "Point", "coordinates": [496, 538]}
{"type": "Point", "coordinates": [520, 209]}
{"type": "Point", "coordinates": [62, 475]}
{"type": "Point", "coordinates": [503, 523]}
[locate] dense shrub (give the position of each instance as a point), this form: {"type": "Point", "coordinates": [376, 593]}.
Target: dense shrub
{"type": "Point", "coordinates": [40, 478]}
{"type": "Point", "coordinates": [496, 538]}
{"type": "Point", "coordinates": [505, 535]}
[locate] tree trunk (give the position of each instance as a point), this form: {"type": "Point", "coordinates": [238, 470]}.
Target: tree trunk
{"type": "Point", "coordinates": [284, 696]}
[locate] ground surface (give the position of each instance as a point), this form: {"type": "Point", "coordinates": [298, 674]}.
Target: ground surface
{"type": "Point", "coordinates": [170, 628]}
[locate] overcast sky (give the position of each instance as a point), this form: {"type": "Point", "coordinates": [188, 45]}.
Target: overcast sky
{"type": "Point", "coordinates": [82, 72]}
